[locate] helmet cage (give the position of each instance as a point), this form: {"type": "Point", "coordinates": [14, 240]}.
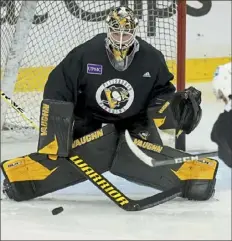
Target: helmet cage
{"type": "Point", "coordinates": [121, 37]}
{"type": "Point", "coordinates": [121, 28]}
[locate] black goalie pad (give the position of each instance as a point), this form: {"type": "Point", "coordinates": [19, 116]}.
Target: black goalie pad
{"type": "Point", "coordinates": [38, 174]}
{"type": "Point", "coordinates": [195, 178]}
{"type": "Point", "coordinates": [128, 166]}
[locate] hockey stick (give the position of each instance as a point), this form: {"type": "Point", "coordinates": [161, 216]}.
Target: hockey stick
{"type": "Point", "coordinates": [156, 163]}
{"type": "Point", "coordinates": [19, 110]}
{"type": "Point", "coordinates": [116, 195]}
{"type": "Point", "coordinates": [101, 182]}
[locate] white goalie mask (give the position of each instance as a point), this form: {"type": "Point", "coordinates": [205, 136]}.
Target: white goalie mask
{"type": "Point", "coordinates": [121, 36]}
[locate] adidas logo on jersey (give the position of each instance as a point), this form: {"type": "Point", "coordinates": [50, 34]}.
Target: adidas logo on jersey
{"type": "Point", "coordinates": [147, 74]}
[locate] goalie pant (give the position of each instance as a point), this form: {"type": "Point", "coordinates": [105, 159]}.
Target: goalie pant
{"type": "Point", "coordinates": [104, 150]}
{"type": "Point", "coordinates": [222, 135]}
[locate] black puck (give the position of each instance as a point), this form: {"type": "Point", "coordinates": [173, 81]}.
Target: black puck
{"type": "Point", "coordinates": [58, 210]}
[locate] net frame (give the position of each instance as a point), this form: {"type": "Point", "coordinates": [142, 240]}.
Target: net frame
{"type": "Point", "coordinates": [29, 15]}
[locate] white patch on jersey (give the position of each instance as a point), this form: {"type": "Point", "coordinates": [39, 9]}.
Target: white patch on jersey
{"type": "Point", "coordinates": [115, 96]}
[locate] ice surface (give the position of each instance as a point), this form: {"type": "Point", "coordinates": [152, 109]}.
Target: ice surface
{"type": "Point", "coordinates": [88, 214]}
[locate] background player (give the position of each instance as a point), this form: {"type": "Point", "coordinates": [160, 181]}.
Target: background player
{"type": "Point", "coordinates": [222, 129]}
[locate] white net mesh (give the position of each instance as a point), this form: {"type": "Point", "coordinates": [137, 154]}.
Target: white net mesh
{"type": "Point", "coordinates": [58, 27]}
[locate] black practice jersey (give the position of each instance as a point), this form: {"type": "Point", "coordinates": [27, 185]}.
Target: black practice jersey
{"type": "Point", "coordinates": [222, 135]}
{"type": "Point", "coordinates": [99, 91]}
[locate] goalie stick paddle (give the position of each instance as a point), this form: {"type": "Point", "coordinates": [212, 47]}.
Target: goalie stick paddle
{"type": "Point", "coordinates": [19, 110]}
{"type": "Point", "coordinates": [155, 163]}
{"type": "Point", "coordinates": [116, 195]}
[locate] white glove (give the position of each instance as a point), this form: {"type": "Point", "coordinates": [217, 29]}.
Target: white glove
{"type": "Point", "coordinates": [222, 83]}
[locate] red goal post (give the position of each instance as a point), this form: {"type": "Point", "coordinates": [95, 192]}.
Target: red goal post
{"type": "Point", "coordinates": [180, 142]}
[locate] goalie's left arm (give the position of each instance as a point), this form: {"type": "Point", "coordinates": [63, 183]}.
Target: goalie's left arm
{"type": "Point", "coordinates": [180, 110]}
{"type": "Point", "coordinates": [170, 109]}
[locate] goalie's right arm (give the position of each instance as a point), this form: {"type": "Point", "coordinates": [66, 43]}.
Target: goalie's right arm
{"type": "Point", "coordinates": [63, 82]}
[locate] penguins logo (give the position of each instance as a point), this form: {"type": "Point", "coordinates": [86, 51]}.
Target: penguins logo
{"type": "Point", "coordinates": [115, 96]}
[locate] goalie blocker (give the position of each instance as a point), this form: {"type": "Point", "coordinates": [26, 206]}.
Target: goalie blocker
{"type": "Point", "coordinates": [105, 149]}
{"type": "Point", "coordinates": [55, 132]}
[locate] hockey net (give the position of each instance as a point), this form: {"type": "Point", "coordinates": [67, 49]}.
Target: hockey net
{"type": "Point", "coordinates": [37, 35]}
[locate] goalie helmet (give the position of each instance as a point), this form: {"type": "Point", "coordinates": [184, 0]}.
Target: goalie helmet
{"type": "Point", "coordinates": [222, 82]}
{"type": "Point", "coordinates": [121, 43]}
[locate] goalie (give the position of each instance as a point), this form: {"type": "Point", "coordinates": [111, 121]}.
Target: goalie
{"type": "Point", "coordinates": [120, 80]}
